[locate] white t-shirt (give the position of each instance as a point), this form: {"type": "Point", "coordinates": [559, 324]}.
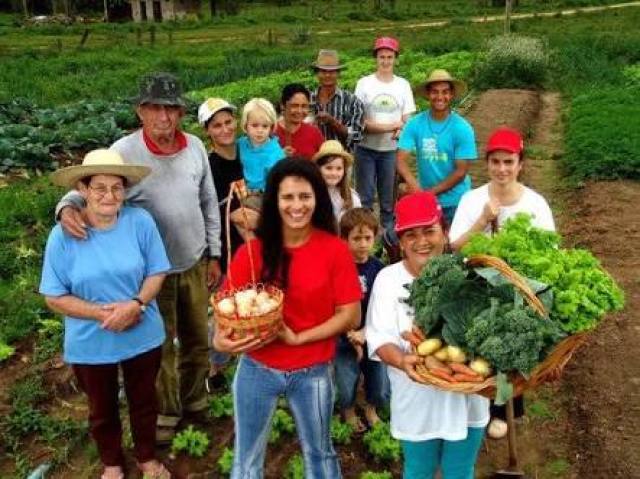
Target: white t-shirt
{"type": "Point", "coordinates": [472, 203]}
{"type": "Point", "coordinates": [338, 202]}
{"type": "Point", "coordinates": [418, 412]}
{"type": "Point", "coordinates": [384, 102]}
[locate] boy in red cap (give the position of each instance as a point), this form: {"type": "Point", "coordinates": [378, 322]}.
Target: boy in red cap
{"type": "Point", "coordinates": [388, 102]}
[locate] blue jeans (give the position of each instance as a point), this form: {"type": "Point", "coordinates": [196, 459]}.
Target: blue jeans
{"type": "Point", "coordinates": [376, 170]}
{"type": "Point", "coordinates": [309, 393]}
{"type": "Point", "coordinates": [456, 459]}
{"type": "Point", "coordinates": [376, 383]}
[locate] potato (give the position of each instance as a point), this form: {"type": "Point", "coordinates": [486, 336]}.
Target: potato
{"type": "Point", "coordinates": [429, 346]}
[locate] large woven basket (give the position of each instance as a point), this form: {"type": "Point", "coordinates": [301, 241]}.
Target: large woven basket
{"type": "Point", "coordinates": [549, 370]}
{"type": "Point", "coordinates": [263, 325]}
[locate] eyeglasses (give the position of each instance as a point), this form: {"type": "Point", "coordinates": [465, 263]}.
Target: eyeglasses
{"type": "Point", "coordinates": [117, 191]}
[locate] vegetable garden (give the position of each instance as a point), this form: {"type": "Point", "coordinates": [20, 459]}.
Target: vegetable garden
{"type": "Point", "coordinates": [593, 60]}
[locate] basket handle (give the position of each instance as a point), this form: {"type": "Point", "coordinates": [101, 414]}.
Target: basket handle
{"type": "Point", "coordinates": [236, 188]}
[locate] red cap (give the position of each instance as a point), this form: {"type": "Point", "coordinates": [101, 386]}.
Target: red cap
{"type": "Point", "coordinates": [417, 209]}
{"type": "Point", "coordinates": [387, 42]}
{"type": "Point", "coordinates": [505, 139]}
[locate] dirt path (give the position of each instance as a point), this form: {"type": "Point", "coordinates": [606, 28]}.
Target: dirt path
{"type": "Point", "coordinates": [595, 424]}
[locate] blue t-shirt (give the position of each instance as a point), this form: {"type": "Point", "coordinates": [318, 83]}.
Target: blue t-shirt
{"type": "Point", "coordinates": [258, 160]}
{"type": "Point", "coordinates": [437, 145]}
{"type": "Point", "coordinates": [367, 273]}
{"type": "Point", "coordinates": [109, 266]}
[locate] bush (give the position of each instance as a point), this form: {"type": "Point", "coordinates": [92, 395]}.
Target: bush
{"type": "Point", "coordinates": [512, 61]}
{"type": "Point", "coordinates": [603, 135]}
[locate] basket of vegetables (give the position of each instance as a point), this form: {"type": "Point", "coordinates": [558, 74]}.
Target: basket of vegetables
{"type": "Point", "coordinates": [255, 309]}
{"type": "Point", "coordinates": [481, 326]}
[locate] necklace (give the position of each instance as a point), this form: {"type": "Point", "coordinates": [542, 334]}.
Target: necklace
{"type": "Point", "coordinates": [442, 128]}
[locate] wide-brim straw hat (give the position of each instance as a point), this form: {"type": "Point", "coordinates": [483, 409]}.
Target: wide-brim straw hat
{"type": "Point", "coordinates": [333, 148]}
{"type": "Point", "coordinates": [439, 75]}
{"type": "Point", "coordinates": [327, 60]}
{"type": "Point", "coordinates": [99, 162]}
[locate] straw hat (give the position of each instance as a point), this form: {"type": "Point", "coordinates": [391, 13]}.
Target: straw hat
{"type": "Point", "coordinates": [438, 75]}
{"type": "Point", "coordinates": [327, 60]}
{"type": "Point", "coordinates": [333, 148]}
{"type": "Point", "coordinates": [99, 162]}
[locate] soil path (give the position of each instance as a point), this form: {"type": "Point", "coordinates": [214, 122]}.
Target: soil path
{"type": "Point", "coordinates": [595, 428]}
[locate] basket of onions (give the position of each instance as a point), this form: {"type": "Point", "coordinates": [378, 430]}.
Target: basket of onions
{"type": "Point", "coordinates": [255, 309]}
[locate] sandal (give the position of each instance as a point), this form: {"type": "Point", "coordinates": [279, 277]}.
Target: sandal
{"type": "Point", "coordinates": [355, 422]}
{"type": "Point", "coordinates": [371, 415]}
{"type": "Point", "coordinates": [112, 472]}
{"type": "Point", "coordinates": [154, 470]}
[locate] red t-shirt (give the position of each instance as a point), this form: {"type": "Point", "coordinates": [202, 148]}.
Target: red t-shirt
{"type": "Point", "coordinates": [306, 140]}
{"type": "Point", "coordinates": [322, 275]}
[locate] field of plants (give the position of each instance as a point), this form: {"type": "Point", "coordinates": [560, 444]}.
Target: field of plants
{"type": "Point", "coordinates": [59, 99]}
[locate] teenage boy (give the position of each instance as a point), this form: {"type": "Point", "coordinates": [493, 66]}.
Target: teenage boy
{"type": "Point", "coordinates": [359, 228]}
{"type": "Point", "coordinates": [444, 144]}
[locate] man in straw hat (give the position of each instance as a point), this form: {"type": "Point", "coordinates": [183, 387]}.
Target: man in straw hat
{"type": "Point", "coordinates": [443, 141]}
{"type": "Point", "coordinates": [180, 195]}
{"type": "Point", "coordinates": [338, 112]}
{"type": "Point", "coordinates": [388, 102]}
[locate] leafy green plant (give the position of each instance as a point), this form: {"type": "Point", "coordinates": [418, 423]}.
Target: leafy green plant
{"type": "Point", "coordinates": [6, 351]}
{"type": "Point", "coordinates": [380, 444]}
{"type": "Point", "coordinates": [282, 424]}
{"type": "Point", "coordinates": [294, 468]}
{"type": "Point", "coordinates": [221, 405]}
{"type": "Point", "coordinates": [376, 475]}
{"type": "Point", "coordinates": [341, 432]}
{"type": "Point", "coordinates": [225, 461]}
{"type": "Point", "coordinates": [190, 441]}
{"type": "Point", "coordinates": [50, 332]}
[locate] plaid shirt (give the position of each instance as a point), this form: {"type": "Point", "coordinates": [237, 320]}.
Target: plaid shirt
{"type": "Point", "coordinates": [348, 110]}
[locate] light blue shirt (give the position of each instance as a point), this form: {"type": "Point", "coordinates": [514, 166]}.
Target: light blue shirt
{"type": "Point", "coordinates": [437, 145]}
{"type": "Point", "coordinates": [257, 161]}
{"type": "Point", "coordinates": [109, 266]}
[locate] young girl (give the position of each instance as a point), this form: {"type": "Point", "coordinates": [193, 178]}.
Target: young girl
{"type": "Point", "coordinates": [335, 163]}
{"type": "Point", "coordinates": [259, 151]}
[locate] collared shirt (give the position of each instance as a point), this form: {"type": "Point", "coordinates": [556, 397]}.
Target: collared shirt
{"type": "Point", "coordinates": [348, 110]}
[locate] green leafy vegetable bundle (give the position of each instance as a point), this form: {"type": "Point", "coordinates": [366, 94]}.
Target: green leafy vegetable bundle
{"type": "Point", "coordinates": [583, 291]}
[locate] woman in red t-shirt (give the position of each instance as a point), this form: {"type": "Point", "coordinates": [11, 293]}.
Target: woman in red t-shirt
{"type": "Point", "coordinates": [298, 250]}
{"type": "Point", "coordinates": [295, 136]}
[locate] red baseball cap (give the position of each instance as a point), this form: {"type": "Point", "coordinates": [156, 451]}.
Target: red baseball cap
{"type": "Point", "coordinates": [505, 139]}
{"type": "Point", "coordinates": [417, 209]}
{"type": "Point", "coordinates": [386, 42]}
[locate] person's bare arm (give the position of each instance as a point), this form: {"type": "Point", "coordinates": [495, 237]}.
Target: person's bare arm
{"type": "Point", "coordinates": [392, 355]}
{"type": "Point", "coordinates": [489, 214]}
{"type": "Point", "coordinates": [402, 165]}
{"type": "Point", "coordinates": [70, 305]}
{"type": "Point", "coordinates": [462, 167]}
{"type": "Point", "coordinates": [346, 317]}
{"type": "Point", "coordinates": [373, 127]}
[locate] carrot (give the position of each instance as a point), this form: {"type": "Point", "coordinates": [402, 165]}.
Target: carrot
{"type": "Point", "coordinates": [411, 337]}
{"type": "Point", "coordinates": [442, 374]}
{"type": "Point", "coordinates": [418, 332]}
{"type": "Point", "coordinates": [433, 363]}
{"type": "Point", "coordinates": [467, 378]}
{"type": "Point", "coordinates": [462, 369]}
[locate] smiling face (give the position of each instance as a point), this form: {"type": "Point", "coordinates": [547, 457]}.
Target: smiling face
{"type": "Point", "coordinates": [503, 167]}
{"type": "Point", "coordinates": [296, 109]}
{"type": "Point", "coordinates": [420, 244]}
{"type": "Point", "coordinates": [222, 128]}
{"type": "Point", "coordinates": [160, 122]}
{"type": "Point", "coordinates": [440, 95]}
{"type": "Point", "coordinates": [385, 60]}
{"type": "Point", "coordinates": [333, 171]}
{"type": "Point", "coordinates": [258, 128]}
{"type": "Point", "coordinates": [296, 204]}
{"type": "Point", "coordinates": [104, 195]}
{"type": "Point", "coordinates": [328, 78]}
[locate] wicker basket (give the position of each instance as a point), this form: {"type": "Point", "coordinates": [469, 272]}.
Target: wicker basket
{"type": "Point", "coordinates": [548, 370]}
{"type": "Point", "coordinates": [263, 325]}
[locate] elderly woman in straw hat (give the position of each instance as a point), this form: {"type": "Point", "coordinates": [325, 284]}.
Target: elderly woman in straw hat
{"type": "Point", "coordinates": [105, 287]}
{"type": "Point", "coordinates": [443, 142]}
{"type": "Point", "coordinates": [335, 165]}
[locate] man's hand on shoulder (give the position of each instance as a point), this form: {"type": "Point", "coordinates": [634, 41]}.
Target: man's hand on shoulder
{"type": "Point", "coordinates": [72, 222]}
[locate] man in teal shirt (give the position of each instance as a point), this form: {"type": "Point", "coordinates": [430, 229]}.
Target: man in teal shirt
{"type": "Point", "coordinates": [443, 143]}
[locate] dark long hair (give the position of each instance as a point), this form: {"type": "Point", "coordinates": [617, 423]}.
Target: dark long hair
{"type": "Point", "coordinates": [292, 89]}
{"type": "Point", "coordinates": [275, 259]}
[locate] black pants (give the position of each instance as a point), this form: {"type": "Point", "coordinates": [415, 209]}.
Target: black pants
{"type": "Point", "coordinates": [500, 412]}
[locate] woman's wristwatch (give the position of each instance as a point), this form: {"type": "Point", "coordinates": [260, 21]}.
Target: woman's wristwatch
{"type": "Point", "coordinates": [143, 307]}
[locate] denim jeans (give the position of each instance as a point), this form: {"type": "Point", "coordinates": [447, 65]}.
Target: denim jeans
{"type": "Point", "coordinates": [376, 170]}
{"type": "Point", "coordinates": [309, 393]}
{"type": "Point", "coordinates": [455, 459]}
{"type": "Point", "coordinates": [376, 383]}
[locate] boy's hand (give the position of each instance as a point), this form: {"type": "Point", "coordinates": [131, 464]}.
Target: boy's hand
{"type": "Point", "coordinates": [356, 337]}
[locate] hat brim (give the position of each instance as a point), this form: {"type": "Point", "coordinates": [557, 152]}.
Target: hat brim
{"type": "Point", "coordinates": [459, 87]}
{"type": "Point", "coordinates": [418, 224]}
{"type": "Point", "coordinates": [69, 176]}
{"type": "Point", "coordinates": [159, 101]}
{"type": "Point", "coordinates": [348, 157]}
{"type": "Point", "coordinates": [329, 68]}
{"type": "Point", "coordinates": [230, 108]}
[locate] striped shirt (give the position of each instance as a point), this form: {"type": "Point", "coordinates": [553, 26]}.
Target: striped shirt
{"type": "Point", "coordinates": [348, 110]}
